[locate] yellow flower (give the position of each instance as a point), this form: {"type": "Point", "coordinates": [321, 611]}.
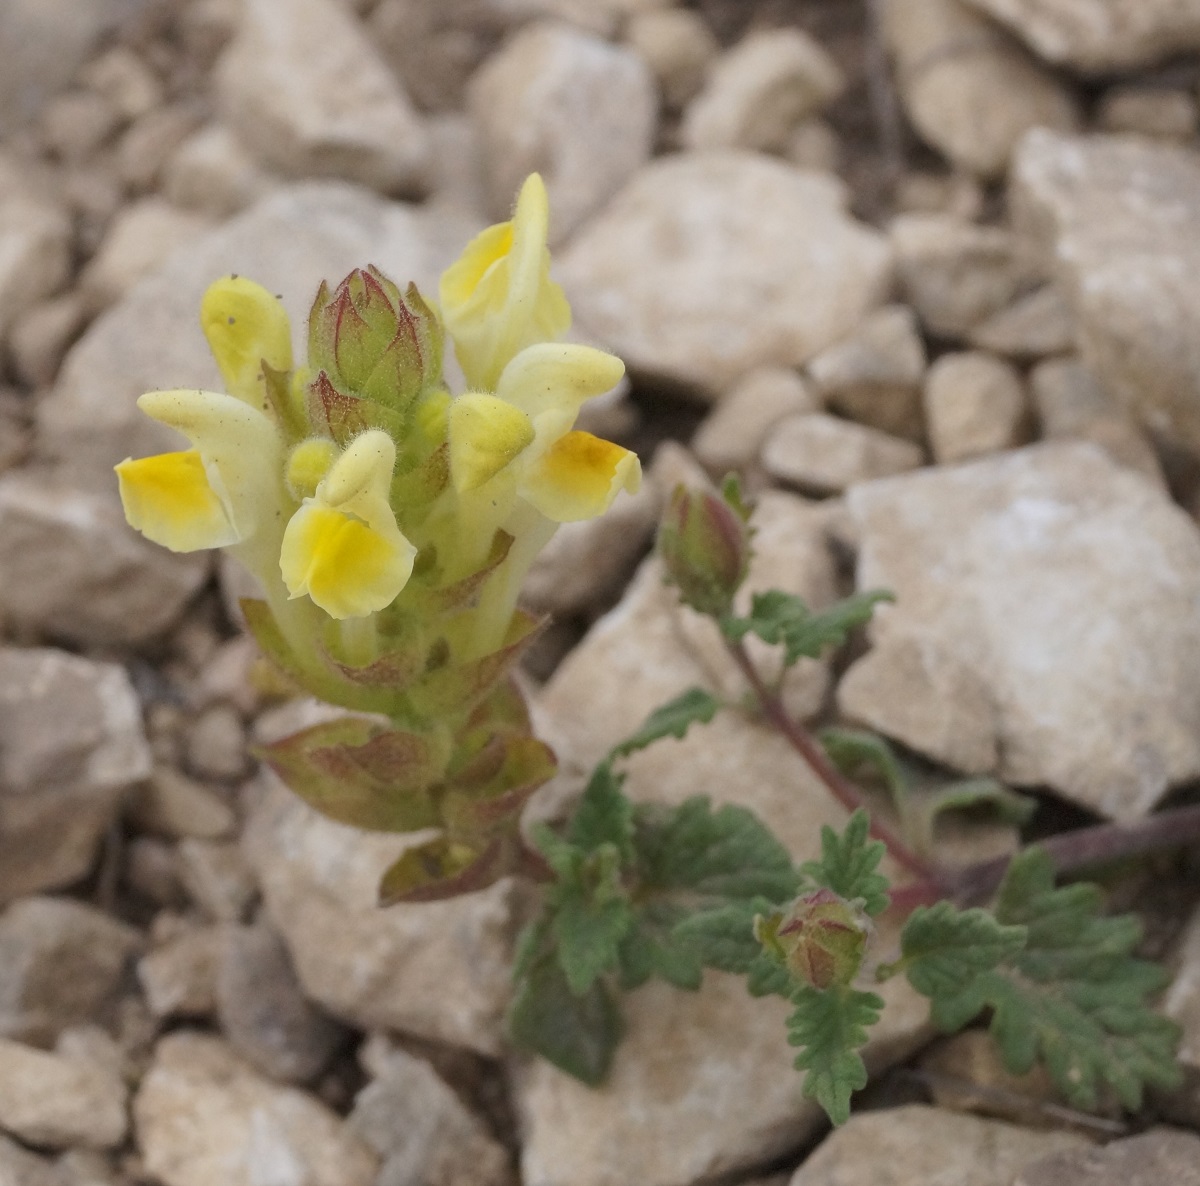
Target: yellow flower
{"type": "Point", "coordinates": [567, 475]}
{"type": "Point", "coordinates": [215, 494]}
{"type": "Point", "coordinates": [245, 326]}
{"type": "Point", "coordinates": [343, 547]}
{"type": "Point", "coordinates": [498, 298]}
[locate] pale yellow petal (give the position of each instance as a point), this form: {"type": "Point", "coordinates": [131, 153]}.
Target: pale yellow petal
{"type": "Point", "coordinates": [345, 566]}
{"type": "Point", "coordinates": [559, 376]}
{"type": "Point", "coordinates": [365, 468]}
{"type": "Point", "coordinates": [579, 476]}
{"type": "Point", "coordinates": [498, 298]}
{"type": "Point", "coordinates": [169, 499]}
{"type": "Point", "coordinates": [240, 446]}
{"type": "Point", "coordinates": [245, 326]}
{"type": "Point", "coordinates": [486, 433]}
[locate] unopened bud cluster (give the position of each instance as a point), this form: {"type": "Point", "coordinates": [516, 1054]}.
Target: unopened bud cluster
{"type": "Point", "coordinates": [821, 938]}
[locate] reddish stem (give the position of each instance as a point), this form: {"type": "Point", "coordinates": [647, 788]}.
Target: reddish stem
{"type": "Point", "coordinates": [838, 784]}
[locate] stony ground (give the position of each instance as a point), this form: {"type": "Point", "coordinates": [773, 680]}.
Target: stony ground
{"type": "Point", "coordinates": [926, 271]}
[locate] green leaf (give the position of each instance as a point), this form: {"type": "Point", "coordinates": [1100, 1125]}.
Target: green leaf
{"type": "Point", "coordinates": [1007, 805]}
{"type": "Point", "coordinates": [604, 814]}
{"type": "Point", "coordinates": [440, 869]}
{"type": "Point", "coordinates": [857, 751]}
{"type": "Point", "coordinates": [723, 938]}
{"type": "Point", "coordinates": [778, 617]}
{"type": "Point", "coordinates": [673, 719]}
{"type": "Point", "coordinates": [831, 1026]}
{"type": "Point", "coordinates": [577, 1033]}
{"type": "Point", "coordinates": [653, 948]}
{"type": "Point", "coordinates": [591, 916]}
{"type": "Point", "coordinates": [944, 950]}
{"type": "Point", "coordinates": [1073, 996]}
{"type": "Point", "coordinates": [706, 855]}
{"type": "Point", "coordinates": [848, 862]}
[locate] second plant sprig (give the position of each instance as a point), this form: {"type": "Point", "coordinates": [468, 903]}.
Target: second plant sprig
{"type": "Point", "coordinates": [641, 890]}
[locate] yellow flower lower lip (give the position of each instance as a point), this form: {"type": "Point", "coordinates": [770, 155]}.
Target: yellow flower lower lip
{"type": "Point", "coordinates": [169, 499]}
{"type": "Point", "coordinates": [348, 568]}
{"type": "Point", "coordinates": [579, 476]}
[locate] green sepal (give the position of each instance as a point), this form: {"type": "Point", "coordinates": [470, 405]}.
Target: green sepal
{"type": "Point", "coordinates": [778, 617]}
{"type": "Point", "coordinates": [343, 417]}
{"type": "Point", "coordinates": [848, 863]}
{"type": "Point", "coordinates": [831, 1026]}
{"type": "Point", "coordinates": [673, 719]}
{"type": "Point", "coordinates": [464, 594]}
{"type": "Point", "coordinates": [493, 788]}
{"type": "Point", "coordinates": [358, 772]}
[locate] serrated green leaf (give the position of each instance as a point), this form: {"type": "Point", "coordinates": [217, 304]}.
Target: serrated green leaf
{"type": "Point", "coordinates": [589, 930]}
{"type": "Point", "coordinates": [855, 751]}
{"type": "Point", "coordinates": [1074, 996]}
{"type": "Point", "coordinates": [848, 862]}
{"type": "Point", "coordinates": [673, 719]}
{"type": "Point", "coordinates": [945, 950]}
{"type": "Point", "coordinates": [831, 1026]}
{"type": "Point", "coordinates": [604, 814]}
{"type": "Point", "coordinates": [651, 948]}
{"type": "Point", "coordinates": [723, 938]}
{"type": "Point", "coordinates": [578, 1034]}
{"type": "Point", "coordinates": [779, 617]}
{"type": "Point", "coordinates": [702, 854]}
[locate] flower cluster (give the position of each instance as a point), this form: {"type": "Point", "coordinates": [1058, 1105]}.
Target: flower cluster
{"type": "Point", "coordinates": [390, 524]}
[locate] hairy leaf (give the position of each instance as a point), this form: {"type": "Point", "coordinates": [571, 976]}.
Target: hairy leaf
{"type": "Point", "coordinates": [831, 1026]}
{"type": "Point", "coordinates": [857, 751]}
{"type": "Point", "coordinates": [848, 863]}
{"type": "Point", "coordinates": [604, 814]}
{"type": "Point", "coordinates": [591, 916]}
{"type": "Point", "coordinates": [673, 719]}
{"type": "Point", "coordinates": [653, 947]}
{"type": "Point", "coordinates": [1074, 996]}
{"type": "Point", "coordinates": [723, 938]}
{"type": "Point", "coordinates": [706, 855]}
{"type": "Point", "coordinates": [945, 949]}
{"type": "Point", "coordinates": [577, 1033]}
{"type": "Point", "coordinates": [778, 617]}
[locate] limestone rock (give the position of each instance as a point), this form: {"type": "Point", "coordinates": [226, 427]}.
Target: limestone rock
{"type": "Point", "coordinates": [1101, 36]}
{"type": "Point", "coordinates": [438, 970]}
{"type": "Point", "coordinates": [217, 878]}
{"type": "Point", "coordinates": [137, 242]}
{"type": "Point", "coordinates": [758, 91]}
{"type": "Point", "coordinates": [1068, 585]}
{"type": "Point", "coordinates": [571, 106]}
{"type": "Point", "coordinates": [586, 564]}
{"type": "Point", "coordinates": [263, 1012]}
{"type": "Point", "coordinates": [1160, 1155]}
{"type": "Point", "coordinates": [707, 265]}
{"type": "Point", "coordinates": [71, 743]}
{"type": "Point", "coordinates": [1036, 324]}
{"type": "Point", "coordinates": [874, 376]}
{"type": "Point", "coordinates": [1149, 111]}
{"type": "Point", "coordinates": [304, 87]}
{"type": "Point", "coordinates": [822, 454]}
{"type": "Point", "coordinates": [733, 432]}
{"type": "Point", "coordinates": [213, 173]}
{"type": "Point", "coordinates": [954, 273]}
{"type": "Point", "coordinates": [919, 1146]}
{"type": "Point", "coordinates": [179, 977]}
{"type": "Point", "coordinates": [1071, 405]}
{"type": "Point", "coordinates": [1181, 1003]}
{"type": "Point", "coordinates": [19, 1167]}
{"type": "Point", "coordinates": [289, 242]}
{"type": "Point", "coordinates": [35, 254]}
{"type": "Point", "coordinates": [43, 43]}
{"type": "Point", "coordinates": [60, 962]}
{"type": "Point", "coordinates": [41, 335]}
{"type": "Point", "coordinates": [1119, 220]}
{"type": "Point", "coordinates": [71, 569]}
{"type": "Point", "coordinates": [59, 1102]}
{"type": "Point", "coordinates": [205, 1118]}
{"type": "Point", "coordinates": [966, 1073]}
{"type": "Point", "coordinates": [678, 46]}
{"type": "Point", "coordinates": [702, 1086]}
{"type": "Point", "coordinates": [974, 404]}
{"type": "Point", "coordinates": [171, 804]}
{"type": "Point", "coordinates": [421, 1129]}
{"type": "Point", "coordinates": [970, 90]}
{"type": "Point", "coordinates": [914, 691]}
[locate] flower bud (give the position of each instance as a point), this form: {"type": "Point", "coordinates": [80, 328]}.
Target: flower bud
{"type": "Point", "coordinates": [373, 341]}
{"type": "Point", "coordinates": [821, 938]}
{"type": "Point", "coordinates": [705, 544]}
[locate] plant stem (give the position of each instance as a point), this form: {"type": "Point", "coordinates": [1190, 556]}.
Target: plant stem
{"type": "Point", "coordinates": [1094, 845]}
{"type": "Point", "coordinates": [842, 789]}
